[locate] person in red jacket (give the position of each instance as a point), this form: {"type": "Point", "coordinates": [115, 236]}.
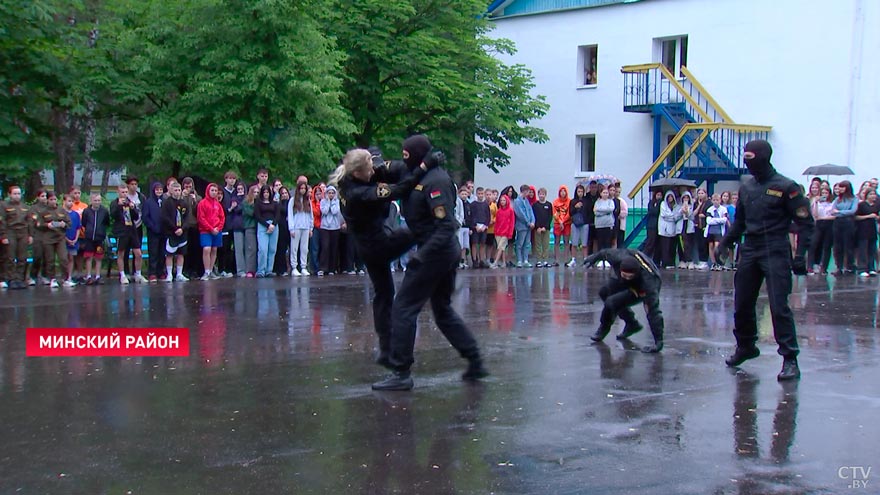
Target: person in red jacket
{"type": "Point", "coordinates": [211, 217]}
{"type": "Point", "coordinates": [504, 221]}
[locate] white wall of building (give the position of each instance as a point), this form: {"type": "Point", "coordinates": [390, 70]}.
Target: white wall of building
{"type": "Point", "coordinates": [806, 67]}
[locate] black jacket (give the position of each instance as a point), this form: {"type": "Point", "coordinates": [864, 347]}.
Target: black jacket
{"type": "Point", "coordinates": [174, 214]}
{"type": "Point", "coordinates": [118, 215]}
{"type": "Point", "coordinates": [653, 216]}
{"type": "Point", "coordinates": [765, 211]}
{"type": "Point", "coordinates": [543, 214]}
{"type": "Point", "coordinates": [95, 223]}
{"type": "Point", "coordinates": [480, 213]}
{"type": "Point", "coordinates": [648, 280]}
{"type": "Point", "coordinates": [429, 211]}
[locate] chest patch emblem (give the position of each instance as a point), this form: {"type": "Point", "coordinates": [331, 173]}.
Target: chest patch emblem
{"type": "Point", "coordinates": [436, 194]}
{"type": "Point", "coordinates": [383, 191]}
{"type": "Point", "coordinates": [774, 192]}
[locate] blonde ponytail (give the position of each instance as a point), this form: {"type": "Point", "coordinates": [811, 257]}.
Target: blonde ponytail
{"type": "Point", "coordinates": [353, 160]}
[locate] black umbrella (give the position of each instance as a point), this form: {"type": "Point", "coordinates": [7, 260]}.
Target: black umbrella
{"type": "Point", "coordinates": [829, 169]}
{"type": "Point", "coordinates": [668, 182]}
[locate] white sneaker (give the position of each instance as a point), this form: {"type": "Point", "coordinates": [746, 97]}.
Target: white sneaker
{"type": "Point", "coordinates": [295, 273]}
{"type": "Point", "coordinates": [691, 266]}
{"type": "Point", "coordinates": [140, 279]}
{"type": "Point", "coordinates": [305, 273]}
{"type": "Point", "coordinates": [69, 283]}
{"type": "Point", "coordinates": [32, 282]}
{"type": "Point", "coordinates": [4, 285]}
{"type": "Point", "coordinates": [53, 284]}
{"type": "Point", "coordinates": [204, 277]}
{"type": "Point", "coordinates": [682, 265]}
{"type": "Point", "coordinates": [864, 274]}
{"type": "Point", "coordinates": [571, 263]}
{"type": "Point", "coordinates": [168, 279]}
{"type": "Point", "coordinates": [703, 266]}
{"type": "Point", "coordinates": [527, 264]}
{"type": "Point", "coordinates": [123, 280]}
{"type": "Point", "coordinates": [181, 278]}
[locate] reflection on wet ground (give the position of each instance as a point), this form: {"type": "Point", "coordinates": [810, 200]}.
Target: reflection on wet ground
{"type": "Point", "coordinates": [275, 396]}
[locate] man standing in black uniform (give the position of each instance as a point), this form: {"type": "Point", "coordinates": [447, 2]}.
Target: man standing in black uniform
{"type": "Point", "coordinates": [768, 203]}
{"type": "Point", "coordinates": [638, 280]}
{"type": "Point", "coordinates": [367, 185]}
{"type": "Point", "coordinates": [431, 271]}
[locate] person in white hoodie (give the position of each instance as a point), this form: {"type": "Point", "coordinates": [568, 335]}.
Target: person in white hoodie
{"type": "Point", "coordinates": [301, 224]}
{"type": "Point", "coordinates": [688, 232]}
{"type": "Point", "coordinates": [669, 227]}
{"type": "Point", "coordinates": [331, 222]}
{"type": "Point", "coordinates": [604, 222]}
{"type": "Point", "coordinates": [716, 227]}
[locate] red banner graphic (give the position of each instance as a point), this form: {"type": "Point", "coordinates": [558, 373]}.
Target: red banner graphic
{"type": "Point", "coordinates": [107, 342]}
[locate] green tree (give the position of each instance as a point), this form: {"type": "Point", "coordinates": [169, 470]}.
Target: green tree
{"type": "Point", "coordinates": [430, 66]}
{"type": "Point", "coordinates": [238, 84]}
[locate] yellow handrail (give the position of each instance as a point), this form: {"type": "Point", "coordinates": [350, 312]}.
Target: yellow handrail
{"type": "Point", "coordinates": [706, 127]}
{"type": "Point", "coordinates": [690, 151]}
{"type": "Point", "coordinates": [693, 80]}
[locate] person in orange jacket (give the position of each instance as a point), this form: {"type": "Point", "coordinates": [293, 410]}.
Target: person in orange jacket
{"type": "Point", "coordinates": [561, 222]}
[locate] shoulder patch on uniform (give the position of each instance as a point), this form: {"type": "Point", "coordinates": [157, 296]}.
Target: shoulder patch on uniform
{"type": "Point", "coordinates": [794, 194]}
{"type": "Point", "coordinates": [802, 212]}
{"type": "Point", "coordinates": [774, 192]}
{"type": "Point", "coordinates": [383, 191]}
{"type": "Point", "coordinates": [436, 194]}
{"type": "Point", "coordinates": [440, 212]}
{"type": "Point", "coordinates": [419, 187]}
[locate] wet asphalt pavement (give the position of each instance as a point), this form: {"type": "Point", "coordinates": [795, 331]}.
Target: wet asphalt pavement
{"type": "Point", "coordinates": [275, 396]}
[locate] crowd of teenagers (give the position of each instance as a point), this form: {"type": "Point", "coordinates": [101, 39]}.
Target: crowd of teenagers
{"type": "Point", "coordinates": [265, 230]}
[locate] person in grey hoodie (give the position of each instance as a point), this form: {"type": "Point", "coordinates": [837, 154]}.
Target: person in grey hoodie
{"type": "Point", "coordinates": [525, 222]}
{"type": "Point", "coordinates": [603, 208]}
{"type": "Point", "coordinates": [331, 222]}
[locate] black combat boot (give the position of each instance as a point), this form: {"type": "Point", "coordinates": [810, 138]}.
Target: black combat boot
{"type": "Point", "coordinates": [396, 381]}
{"type": "Point", "coordinates": [651, 349]}
{"type": "Point", "coordinates": [475, 370]}
{"type": "Point", "coordinates": [600, 334]}
{"type": "Point", "coordinates": [629, 330]}
{"type": "Point", "coordinates": [742, 355]}
{"type": "Point", "coordinates": [790, 370]}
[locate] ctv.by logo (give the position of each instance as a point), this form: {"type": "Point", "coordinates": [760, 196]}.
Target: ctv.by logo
{"type": "Point", "coordinates": [857, 475]}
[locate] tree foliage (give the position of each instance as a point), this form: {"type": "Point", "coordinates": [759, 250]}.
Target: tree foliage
{"type": "Point", "coordinates": [202, 86]}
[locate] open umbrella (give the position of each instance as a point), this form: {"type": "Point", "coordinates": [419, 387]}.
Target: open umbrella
{"type": "Point", "coordinates": [828, 169]}
{"type": "Point", "coordinates": [604, 179]}
{"type": "Point", "coordinates": [666, 183]}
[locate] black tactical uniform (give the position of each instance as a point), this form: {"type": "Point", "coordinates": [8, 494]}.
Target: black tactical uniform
{"type": "Point", "coordinates": [365, 206]}
{"type": "Point", "coordinates": [431, 271]}
{"type": "Point", "coordinates": [619, 294]}
{"type": "Point", "coordinates": [768, 203]}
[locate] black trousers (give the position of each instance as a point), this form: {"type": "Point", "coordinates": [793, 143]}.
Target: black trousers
{"type": "Point", "coordinates": [156, 252]}
{"type": "Point", "coordinates": [668, 247]}
{"type": "Point", "coordinates": [282, 249]}
{"type": "Point", "coordinates": [820, 246]}
{"type": "Point", "coordinates": [226, 256]}
{"type": "Point", "coordinates": [377, 253]}
{"type": "Point", "coordinates": [650, 247]}
{"type": "Point", "coordinates": [618, 298]}
{"type": "Point", "coordinates": [770, 261]}
{"type": "Point", "coordinates": [867, 249]}
{"type": "Point", "coordinates": [844, 243]}
{"type": "Point", "coordinates": [329, 250]}
{"type": "Point", "coordinates": [432, 280]}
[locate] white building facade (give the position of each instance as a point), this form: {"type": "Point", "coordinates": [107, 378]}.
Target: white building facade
{"type": "Point", "coordinates": [807, 68]}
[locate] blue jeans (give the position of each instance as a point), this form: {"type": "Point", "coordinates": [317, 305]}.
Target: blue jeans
{"type": "Point", "coordinates": [523, 245]}
{"type": "Point", "coordinates": [266, 244]}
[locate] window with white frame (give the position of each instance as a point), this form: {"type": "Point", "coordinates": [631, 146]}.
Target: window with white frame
{"type": "Point", "coordinates": [586, 148]}
{"type": "Point", "coordinates": [587, 65]}
{"type": "Point", "coordinates": [671, 52]}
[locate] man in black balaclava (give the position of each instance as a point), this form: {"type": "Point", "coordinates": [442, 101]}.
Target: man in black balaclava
{"type": "Point", "coordinates": [768, 203]}
{"type": "Point", "coordinates": [430, 274]}
{"type": "Point", "coordinates": [365, 200]}
{"type": "Point", "coordinates": [637, 281]}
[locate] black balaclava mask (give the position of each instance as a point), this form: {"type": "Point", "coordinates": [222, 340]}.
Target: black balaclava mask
{"type": "Point", "coordinates": [759, 166]}
{"type": "Point", "coordinates": [418, 147]}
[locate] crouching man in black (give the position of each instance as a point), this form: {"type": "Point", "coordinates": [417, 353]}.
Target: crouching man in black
{"type": "Point", "coordinates": [637, 280]}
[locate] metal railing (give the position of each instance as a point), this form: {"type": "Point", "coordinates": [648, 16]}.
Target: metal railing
{"type": "Point", "coordinates": [727, 141]}
{"type": "Point", "coordinates": [646, 85]}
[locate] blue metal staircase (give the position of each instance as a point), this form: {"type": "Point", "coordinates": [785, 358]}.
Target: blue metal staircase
{"type": "Point", "coordinates": [707, 146]}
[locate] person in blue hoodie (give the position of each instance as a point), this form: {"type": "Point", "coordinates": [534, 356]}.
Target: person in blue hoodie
{"type": "Point", "coordinates": [525, 222]}
{"type": "Point", "coordinates": [152, 217]}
